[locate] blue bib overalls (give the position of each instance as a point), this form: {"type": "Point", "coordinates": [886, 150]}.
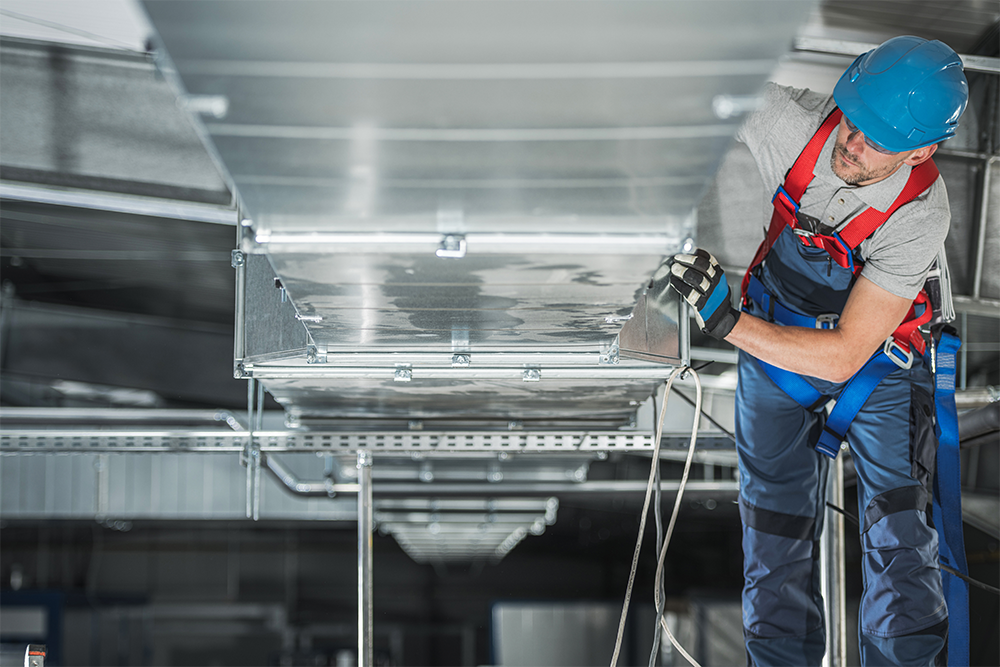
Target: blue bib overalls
{"type": "Point", "coordinates": [903, 616]}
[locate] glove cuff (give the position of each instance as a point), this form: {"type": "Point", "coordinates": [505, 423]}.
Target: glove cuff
{"type": "Point", "coordinates": [721, 323]}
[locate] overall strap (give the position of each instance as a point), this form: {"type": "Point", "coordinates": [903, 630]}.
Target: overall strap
{"type": "Point", "coordinates": [840, 245]}
{"type": "Point", "coordinates": [786, 198]}
{"type": "Point", "coordinates": [857, 230]}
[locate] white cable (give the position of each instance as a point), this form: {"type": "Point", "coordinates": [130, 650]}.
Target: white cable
{"type": "Point", "coordinates": [673, 516]}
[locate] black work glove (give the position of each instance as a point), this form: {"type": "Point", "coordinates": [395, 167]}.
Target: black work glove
{"type": "Point", "coordinates": [699, 278]}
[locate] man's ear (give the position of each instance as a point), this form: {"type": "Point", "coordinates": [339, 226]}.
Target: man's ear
{"type": "Point", "coordinates": [921, 155]}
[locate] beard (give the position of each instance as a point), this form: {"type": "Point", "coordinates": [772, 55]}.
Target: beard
{"type": "Point", "coordinates": [854, 173]}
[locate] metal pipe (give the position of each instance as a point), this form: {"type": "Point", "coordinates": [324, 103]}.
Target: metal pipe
{"type": "Point", "coordinates": [133, 204]}
{"type": "Point", "coordinates": [365, 525]}
{"type": "Point", "coordinates": [130, 416]}
{"type": "Point", "coordinates": [977, 284]}
{"type": "Point", "coordinates": [284, 475]}
{"type": "Point", "coordinates": [259, 415]}
{"type": "Point", "coordinates": [833, 564]}
{"type": "Point", "coordinates": [7, 295]}
{"type": "Point", "coordinates": [251, 455]}
{"type": "Point", "coordinates": [851, 49]}
{"type": "Point", "coordinates": [963, 355]}
{"type": "Point", "coordinates": [391, 489]}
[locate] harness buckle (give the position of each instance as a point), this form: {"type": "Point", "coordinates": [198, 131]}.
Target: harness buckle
{"type": "Point", "coordinates": [803, 233]}
{"type": "Point", "coordinates": [900, 356]}
{"type": "Point", "coordinates": [827, 320]}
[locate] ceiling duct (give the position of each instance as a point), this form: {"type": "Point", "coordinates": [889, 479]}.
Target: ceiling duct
{"type": "Point", "coordinates": [450, 208]}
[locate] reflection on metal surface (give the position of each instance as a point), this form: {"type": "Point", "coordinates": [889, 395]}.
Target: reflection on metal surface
{"type": "Point", "coordinates": [474, 179]}
{"type": "Point", "coordinates": [649, 333]}
{"type": "Point", "coordinates": [435, 530]}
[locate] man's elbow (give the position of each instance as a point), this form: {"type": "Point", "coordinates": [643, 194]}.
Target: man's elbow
{"type": "Point", "coordinates": [844, 367]}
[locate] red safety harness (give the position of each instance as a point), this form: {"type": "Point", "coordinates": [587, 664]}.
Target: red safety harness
{"type": "Point", "coordinates": [841, 245]}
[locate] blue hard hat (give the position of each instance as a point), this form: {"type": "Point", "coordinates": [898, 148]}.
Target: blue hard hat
{"type": "Point", "coordinates": [904, 94]}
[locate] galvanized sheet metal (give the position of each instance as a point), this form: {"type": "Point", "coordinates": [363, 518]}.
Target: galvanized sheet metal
{"type": "Point", "coordinates": [565, 145]}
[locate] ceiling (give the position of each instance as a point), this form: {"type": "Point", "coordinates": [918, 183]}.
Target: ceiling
{"type": "Point", "coordinates": [552, 152]}
{"type": "Point", "coordinates": [565, 165]}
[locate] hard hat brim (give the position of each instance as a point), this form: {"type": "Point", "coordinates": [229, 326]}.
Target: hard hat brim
{"type": "Point", "coordinates": [850, 99]}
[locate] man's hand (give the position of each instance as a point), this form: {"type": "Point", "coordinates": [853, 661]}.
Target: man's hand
{"type": "Point", "coordinates": [701, 281]}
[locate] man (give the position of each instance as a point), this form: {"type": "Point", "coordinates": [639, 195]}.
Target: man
{"type": "Point", "coordinates": [833, 299]}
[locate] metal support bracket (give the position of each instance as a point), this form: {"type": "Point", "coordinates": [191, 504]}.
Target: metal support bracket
{"type": "Point", "coordinates": [609, 358]}
{"type": "Point", "coordinates": [251, 454]}
{"type": "Point", "coordinates": [316, 354]}
{"type": "Point", "coordinates": [404, 373]}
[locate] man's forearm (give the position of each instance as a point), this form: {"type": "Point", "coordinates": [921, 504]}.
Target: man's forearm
{"type": "Point", "coordinates": [816, 352]}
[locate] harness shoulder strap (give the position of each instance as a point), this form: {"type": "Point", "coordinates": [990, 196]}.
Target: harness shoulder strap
{"type": "Point", "coordinates": [786, 199]}
{"type": "Point", "coordinates": [921, 177]}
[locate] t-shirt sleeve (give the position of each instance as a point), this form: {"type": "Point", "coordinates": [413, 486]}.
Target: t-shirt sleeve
{"type": "Point", "coordinates": [903, 250]}
{"type": "Point", "coordinates": [758, 126]}
{"type": "Point", "coordinates": [776, 132]}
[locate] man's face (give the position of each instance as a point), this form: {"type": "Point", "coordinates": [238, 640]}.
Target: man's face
{"type": "Point", "coordinates": [857, 163]}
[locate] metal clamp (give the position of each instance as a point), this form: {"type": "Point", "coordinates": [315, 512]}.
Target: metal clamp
{"type": "Point", "coordinates": [609, 358]}
{"type": "Point", "coordinates": [453, 246]}
{"type": "Point", "coordinates": [900, 356]}
{"type": "Point", "coordinates": [827, 320]}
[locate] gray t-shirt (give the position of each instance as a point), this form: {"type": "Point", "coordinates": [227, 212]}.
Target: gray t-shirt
{"type": "Point", "coordinates": [898, 254]}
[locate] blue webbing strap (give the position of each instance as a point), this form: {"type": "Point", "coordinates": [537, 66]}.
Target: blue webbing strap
{"type": "Point", "coordinates": [795, 386]}
{"type": "Point", "coordinates": [948, 501]}
{"type": "Point", "coordinates": [852, 398]}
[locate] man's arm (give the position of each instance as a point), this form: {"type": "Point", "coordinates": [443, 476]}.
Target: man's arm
{"type": "Point", "coordinates": [870, 316]}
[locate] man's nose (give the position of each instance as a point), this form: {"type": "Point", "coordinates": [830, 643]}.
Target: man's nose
{"type": "Point", "coordinates": [856, 142]}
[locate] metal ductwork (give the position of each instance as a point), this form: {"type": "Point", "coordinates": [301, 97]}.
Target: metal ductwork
{"type": "Point", "coordinates": [449, 209]}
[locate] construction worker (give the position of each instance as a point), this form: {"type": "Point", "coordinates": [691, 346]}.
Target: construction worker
{"type": "Point", "coordinates": [830, 310]}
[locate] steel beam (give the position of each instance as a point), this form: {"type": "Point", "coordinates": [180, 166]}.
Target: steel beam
{"type": "Point", "coordinates": [984, 205]}
{"type": "Point", "coordinates": [532, 489]}
{"type": "Point", "coordinates": [365, 525]}
{"type": "Point", "coordinates": [23, 441]}
{"type": "Point", "coordinates": [514, 373]}
{"type": "Point", "coordinates": [843, 47]}
{"type": "Point", "coordinates": [973, 306]}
